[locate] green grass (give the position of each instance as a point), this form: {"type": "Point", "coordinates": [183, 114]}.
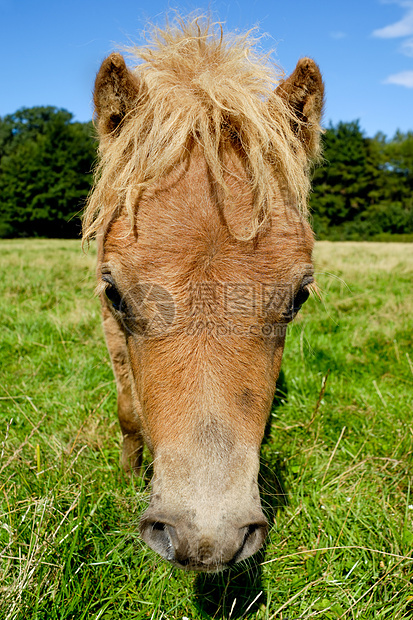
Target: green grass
{"type": "Point", "coordinates": [389, 237]}
{"type": "Point", "coordinates": [337, 461]}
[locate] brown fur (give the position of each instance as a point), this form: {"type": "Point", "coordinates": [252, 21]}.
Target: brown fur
{"type": "Point", "coordinates": [203, 173]}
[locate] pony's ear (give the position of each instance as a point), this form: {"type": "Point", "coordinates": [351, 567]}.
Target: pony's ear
{"type": "Point", "coordinates": [116, 92]}
{"type": "Point", "coordinates": [303, 92]}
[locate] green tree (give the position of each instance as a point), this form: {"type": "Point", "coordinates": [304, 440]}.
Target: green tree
{"type": "Point", "coordinates": [342, 184]}
{"type": "Point", "coordinates": [365, 186]}
{"type": "Point", "coordinates": [45, 172]}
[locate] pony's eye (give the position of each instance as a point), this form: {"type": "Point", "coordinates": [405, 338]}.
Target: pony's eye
{"type": "Point", "coordinates": [113, 295]}
{"type": "Point", "coordinates": [300, 298]}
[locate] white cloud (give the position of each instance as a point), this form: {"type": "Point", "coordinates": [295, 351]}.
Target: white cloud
{"type": "Point", "coordinates": [407, 47]}
{"type": "Point", "coordinates": [338, 35]}
{"type": "Point", "coordinates": [402, 28]}
{"type": "Point", "coordinates": [404, 78]}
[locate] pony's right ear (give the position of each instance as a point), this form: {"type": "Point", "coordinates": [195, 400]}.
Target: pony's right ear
{"type": "Point", "coordinates": [303, 92]}
{"type": "Point", "coordinates": [116, 92]}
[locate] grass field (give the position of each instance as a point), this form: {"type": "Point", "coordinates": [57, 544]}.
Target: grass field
{"type": "Point", "coordinates": [337, 461]}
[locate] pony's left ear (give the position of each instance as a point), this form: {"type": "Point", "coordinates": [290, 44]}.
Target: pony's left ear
{"type": "Point", "coordinates": [303, 92]}
{"type": "Point", "coordinates": [116, 93]}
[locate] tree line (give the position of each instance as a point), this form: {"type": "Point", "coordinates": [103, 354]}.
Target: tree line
{"type": "Point", "coordinates": [46, 162]}
{"type": "Point", "coordinates": [363, 188]}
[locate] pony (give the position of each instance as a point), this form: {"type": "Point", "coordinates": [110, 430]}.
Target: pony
{"type": "Point", "coordinates": [199, 209]}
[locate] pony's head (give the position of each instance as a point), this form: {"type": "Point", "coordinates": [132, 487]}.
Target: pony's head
{"type": "Point", "coordinates": [204, 258]}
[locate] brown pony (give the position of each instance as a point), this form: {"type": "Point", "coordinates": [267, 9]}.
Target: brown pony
{"type": "Point", "coordinates": [204, 256]}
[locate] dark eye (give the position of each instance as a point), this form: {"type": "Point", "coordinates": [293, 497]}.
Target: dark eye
{"type": "Point", "coordinates": [300, 298]}
{"type": "Point", "coordinates": [113, 295]}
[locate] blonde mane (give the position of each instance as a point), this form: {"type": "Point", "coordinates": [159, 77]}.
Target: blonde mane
{"type": "Point", "coordinates": [197, 86]}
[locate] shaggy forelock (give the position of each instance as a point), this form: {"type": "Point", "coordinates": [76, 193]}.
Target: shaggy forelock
{"type": "Point", "coordinates": [198, 86]}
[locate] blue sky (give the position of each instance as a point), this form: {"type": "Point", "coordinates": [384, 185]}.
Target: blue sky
{"type": "Point", "coordinates": [51, 50]}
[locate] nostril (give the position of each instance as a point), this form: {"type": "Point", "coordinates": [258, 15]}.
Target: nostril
{"type": "Point", "coordinates": [254, 536]}
{"type": "Point", "coordinates": [251, 529]}
{"type": "Point", "coordinates": [195, 549]}
{"type": "Point", "coordinates": [158, 536]}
